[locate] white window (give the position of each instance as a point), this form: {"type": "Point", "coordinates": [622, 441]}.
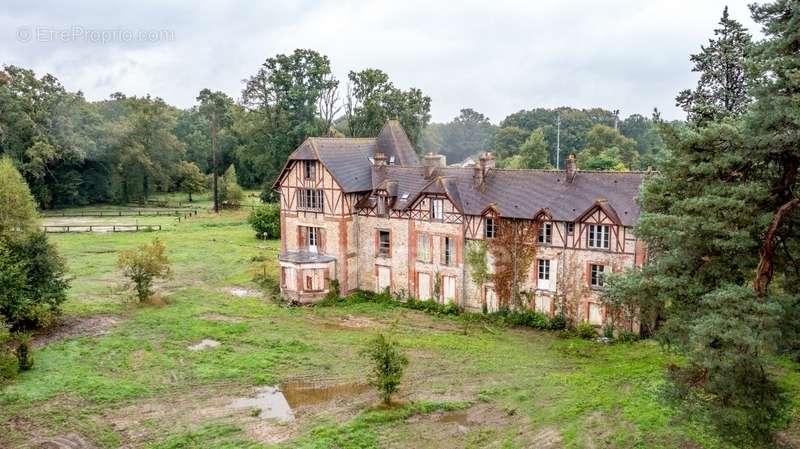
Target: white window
{"type": "Point", "coordinates": [424, 286]}
{"type": "Point", "coordinates": [490, 228]}
{"type": "Point", "coordinates": [546, 274]}
{"type": "Point", "coordinates": [309, 169]}
{"type": "Point", "coordinates": [310, 199]}
{"type": "Point", "coordinates": [598, 236]}
{"type": "Point", "coordinates": [545, 233]}
{"type": "Point", "coordinates": [596, 276]}
{"type": "Point", "coordinates": [437, 209]}
{"type": "Point", "coordinates": [543, 304]}
{"type": "Point", "coordinates": [312, 239]}
{"type": "Point", "coordinates": [447, 251]}
{"type": "Point", "coordinates": [595, 314]}
{"type": "Point", "coordinates": [384, 243]}
{"type": "Point", "coordinates": [423, 247]}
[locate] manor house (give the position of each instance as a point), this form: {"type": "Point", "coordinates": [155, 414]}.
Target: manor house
{"type": "Point", "coordinates": [369, 214]}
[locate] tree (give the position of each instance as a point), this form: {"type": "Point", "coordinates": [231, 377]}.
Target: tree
{"type": "Point", "coordinates": [143, 266]}
{"type": "Point", "coordinates": [266, 221]}
{"type": "Point", "coordinates": [190, 178]}
{"type": "Point", "coordinates": [17, 207]}
{"type": "Point", "coordinates": [469, 134]}
{"type": "Point", "coordinates": [230, 193]}
{"type": "Point", "coordinates": [507, 141]}
{"type": "Point", "coordinates": [388, 364]}
{"type": "Point", "coordinates": [372, 99]}
{"type": "Point", "coordinates": [534, 152]}
{"type": "Point", "coordinates": [215, 106]}
{"type": "Point", "coordinates": [605, 139]}
{"type": "Point", "coordinates": [722, 88]}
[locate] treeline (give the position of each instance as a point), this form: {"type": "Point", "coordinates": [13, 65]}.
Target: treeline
{"type": "Point", "coordinates": [73, 152]}
{"type": "Point", "coordinates": [530, 138]}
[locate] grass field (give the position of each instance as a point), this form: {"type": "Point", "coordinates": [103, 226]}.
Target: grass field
{"type": "Point", "coordinates": [118, 374]}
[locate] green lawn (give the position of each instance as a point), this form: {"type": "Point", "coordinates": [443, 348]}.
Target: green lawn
{"type": "Point", "coordinates": [138, 385]}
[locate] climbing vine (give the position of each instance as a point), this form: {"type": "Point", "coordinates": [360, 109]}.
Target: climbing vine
{"type": "Point", "coordinates": [513, 250]}
{"type": "Point", "coordinates": [478, 267]}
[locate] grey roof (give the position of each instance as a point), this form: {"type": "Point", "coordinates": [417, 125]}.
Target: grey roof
{"type": "Point", "coordinates": [301, 257]}
{"type": "Point", "coordinates": [348, 159]}
{"type": "Point", "coordinates": [523, 193]}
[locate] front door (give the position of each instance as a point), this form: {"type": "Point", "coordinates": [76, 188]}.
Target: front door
{"type": "Point", "coordinates": [384, 278]}
{"type": "Point", "coordinates": [424, 286]}
{"type": "Point", "coordinates": [448, 289]}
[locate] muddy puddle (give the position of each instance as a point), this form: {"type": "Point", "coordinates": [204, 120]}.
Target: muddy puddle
{"type": "Point", "coordinates": [458, 417]}
{"type": "Point", "coordinates": [280, 402]}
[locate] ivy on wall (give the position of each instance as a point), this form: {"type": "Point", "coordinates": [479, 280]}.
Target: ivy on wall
{"type": "Point", "coordinates": [513, 250]}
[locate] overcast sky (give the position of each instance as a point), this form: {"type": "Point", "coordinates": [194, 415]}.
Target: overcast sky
{"type": "Point", "coordinates": [494, 56]}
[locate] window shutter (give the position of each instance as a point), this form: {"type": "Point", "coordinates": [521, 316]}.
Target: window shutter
{"type": "Point", "coordinates": [321, 240]}
{"type": "Point", "coordinates": [302, 237]}
{"type": "Point", "coordinates": [326, 278]}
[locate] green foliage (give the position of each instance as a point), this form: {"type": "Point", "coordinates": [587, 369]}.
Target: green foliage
{"type": "Point", "coordinates": [266, 221]}
{"type": "Point", "coordinates": [722, 88]}
{"type": "Point", "coordinates": [476, 261]}
{"type": "Point", "coordinates": [230, 193]}
{"type": "Point", "coordinates": [372, 99]}
{"type": "Point", "coordinates": [469, 134]}
{"type": "Point", "coordinates": [190, 179]}
{"type": "Point", "coordinates": [607, 144]}
{"type": "Point", "coordinates": [145, 265]}
{"type": "Point", "coordinates": [534, 152]}
{"type": "Point", "coordinates": [8, 360]}
{"type": "Point", "coordinates": [24, 354]}
{"type": "Point", "coordinates": [388, 365]}
{"type": "Point", "coordinates": [507, 141]}
{"type": "Point", "coordinates": [17, 208]}
{"type": "Point", "coordinates": [585, 330]}
{"type": "Point", "coordinates": [32, 282]}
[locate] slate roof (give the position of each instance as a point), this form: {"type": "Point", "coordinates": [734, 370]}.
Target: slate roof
{"type": "Point", "coordinates": [348, 159]}
{"type": "Point", "coordinates": [523, 193]}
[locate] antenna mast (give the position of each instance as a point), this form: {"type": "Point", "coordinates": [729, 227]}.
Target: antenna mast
{"type": "Point", "coordinates": [558, 139]}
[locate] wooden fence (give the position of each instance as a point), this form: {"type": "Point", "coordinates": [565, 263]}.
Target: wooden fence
{"type": "Point", "coordinates": [99, 228]}
{"type": "Point", "coordinates": [121, 213]}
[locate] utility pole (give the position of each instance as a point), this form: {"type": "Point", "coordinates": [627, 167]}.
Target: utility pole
{"type": "Point", "coordinates": [558, 140]}
{"type": "Point", "coordinates": [213, 123]}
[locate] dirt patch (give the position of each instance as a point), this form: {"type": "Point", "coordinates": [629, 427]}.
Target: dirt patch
{"type": "Point", "coordinates": [68, 441]}
{"type": "Point", "coordinates": [72, 327]}
{"type": "Point", "coordinates": [204, 344]}
{"type": "Point", "coordinates": [221, 318]}
{"type": "Point", "coordinates": [241, 292]}
{"type": "Point", "coordinates": [602, 430]}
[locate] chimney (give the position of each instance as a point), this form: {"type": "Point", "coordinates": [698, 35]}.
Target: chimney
{"type": "Point", "coordinates": [432, 162]}
{"type": "Point", "coordinates": [571, 168]}
{"type": "Point", "coordinates": [485, 163]}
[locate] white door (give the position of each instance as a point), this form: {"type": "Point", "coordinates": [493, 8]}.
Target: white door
{"type": "Point", "coordinates": [449, 288]}
{"type": "Point", "coordinates": [595, 313]}
{"type": "Point", "coordinates": [384, 278]}
{"type": "Point", "coordinates": [543, 304]}
{"type": "Point", "coordinates": [424, 286]}
{"type": "Point", "coordinates": [491, 300]}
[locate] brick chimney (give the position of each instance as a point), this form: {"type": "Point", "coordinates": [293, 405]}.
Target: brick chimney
{"type": "Point", "coordinates": [485, 163]}
{"type": "Point", "coordinates": [571, 168]}
{"type": "Point", "coordinates": [432, 162]}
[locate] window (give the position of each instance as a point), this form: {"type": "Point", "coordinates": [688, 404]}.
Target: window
{"type": "Point", "coordinates": [570, 228]}
{"type": "Point", "coordinates": [598, 236]}
{"type": "Point", "coordinates": [310, 199]}
{"type": "Point", "coordinates": [546, 233]}
{"type": "Point", "coordinates": [384, 243]}
{"type": "Point", "coordinates": [381, 206]}
{"type": "Point", "coordinates": [437, 209]}
{"type": "Point", "coordinates": [490, 228]}
{"type": "Point", "coordinates": [309, 170]}
{"type": "Point", "coordinates": [598, 272]}
{"type": "Point", "coordinates": [423, 247]}
{"type": "Point", "coordinates": [544, 270]}
{"type": "Point", "coordinates": [314, 280]}
{"type": "Point", "coordinates": [312, 241]}
{"type": "Point", "coordinates": [447, 251]}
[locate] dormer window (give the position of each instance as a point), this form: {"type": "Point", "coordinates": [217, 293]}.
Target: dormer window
{"type": "Point", "coordinates": [546, 233]}
{"type": "Point", "coordinates": [570, 228]}
{"type": "Point", "coordinates": [598, 236]}
{"type": "Point", "coordinates": [437, 209]}
{"type": "Point", "coordinates": [490, 228]}
{"type": "Point", "coordinates": [381, 208]}
{"type": "Point", "coordinates": [309, 170]}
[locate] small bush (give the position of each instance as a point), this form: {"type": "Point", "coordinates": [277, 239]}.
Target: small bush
{"type": "Point", "coordinates": [8, 361]}
{"type": "Point", "coordinates": [333, 290]}
{"type": "Point", "coordinates": [145, 265]}
{"type": "Point", "coordinates": [626, 337]}
{"type": "Point", "coordinates": [559, 322]}
{"type": "Point", "coordinates": [608, 331]}
{"type": "Point", "coordinates": [24, 351]}
{"type": "Point", "coordinates": [266, 221]}
{"type": "Point", "coordinates": [388, 365]}
{"type": "Point", "coordinates": [586, 331]}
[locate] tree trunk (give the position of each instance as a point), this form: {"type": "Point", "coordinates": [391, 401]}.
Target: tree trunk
{"type": "Point", "coordinates": [766, 268]}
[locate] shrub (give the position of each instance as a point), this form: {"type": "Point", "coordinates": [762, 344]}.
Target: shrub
{"type": "Point", "coordinates": [8, 362]}
{"type": "Point", "coordinates": [333, 290]}
{"type": "Point", "coordinates": [23, 352]}
{"type": "Point", "coordinates": [143, 266]}
{"type": "Point", "coordinates": [388, 364]}
{"type": "Point", "coordinates": [626, 336]}
{"type": "Point", "coordinates": [32, 283]}
{"type": "Point", "coordinates": [266, 221]}
{"type": "Point", "coordinates": [558, 322]}
{"type": "Point", "coordinates": [586, 331]}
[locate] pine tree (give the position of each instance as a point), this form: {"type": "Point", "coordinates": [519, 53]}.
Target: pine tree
{"type": "Point", "coordinates": [722, 88]}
